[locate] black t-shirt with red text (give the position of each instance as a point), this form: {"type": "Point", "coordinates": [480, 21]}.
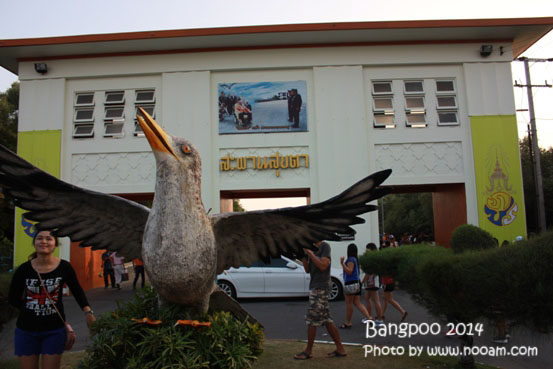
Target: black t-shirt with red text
{"type": "Point", "coordinates": [36, 312]}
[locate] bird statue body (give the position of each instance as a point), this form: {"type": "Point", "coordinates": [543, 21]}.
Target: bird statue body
{"type": "Point", "coordinates": [183, 248]}
{"type": "Point", "coordinates": [181, 257]}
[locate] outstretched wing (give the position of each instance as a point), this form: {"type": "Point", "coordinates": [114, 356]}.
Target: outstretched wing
{"type": "Point", "coordinates": [96, 219]}
{"type": "Point", "coordinates": [243, 238]}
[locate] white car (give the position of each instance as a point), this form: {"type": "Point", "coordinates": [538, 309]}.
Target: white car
{"type": "Point", "coordinates": [282, 277]}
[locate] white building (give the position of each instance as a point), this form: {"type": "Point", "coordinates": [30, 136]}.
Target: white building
{"type": "Point", "coordinates": [433, 100]}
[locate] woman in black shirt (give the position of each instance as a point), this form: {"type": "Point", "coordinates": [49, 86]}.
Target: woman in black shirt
{"type": "Point", "coordinates": [40, 331]}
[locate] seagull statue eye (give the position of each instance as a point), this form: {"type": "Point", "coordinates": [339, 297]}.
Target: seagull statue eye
{"type": "Point", "coordinates": [185, 149]}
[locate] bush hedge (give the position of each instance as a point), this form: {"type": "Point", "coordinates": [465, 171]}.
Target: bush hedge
{"type": "Point", "coordinates": [468, 237]}
{"type": "Point", "coordinates": [515, 280]}
{"type": "Point", "coordinates": [118, 342]}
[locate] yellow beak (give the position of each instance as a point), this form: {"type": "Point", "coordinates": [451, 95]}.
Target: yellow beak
{"type": "Point", "coordinates": [158, 139]}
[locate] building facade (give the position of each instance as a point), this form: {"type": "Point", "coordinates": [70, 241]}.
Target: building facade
{"type": "Point", "coordinates": [431, 100]}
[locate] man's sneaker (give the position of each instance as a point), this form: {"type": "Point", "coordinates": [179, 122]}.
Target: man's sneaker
{"type": "Point", "coordinates": [378, 322]}
{"type": "Point", "coordinates": [502, 340]}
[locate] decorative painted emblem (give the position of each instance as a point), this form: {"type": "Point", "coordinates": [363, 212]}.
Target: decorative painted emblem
{"type": "Point", "coordinates": [500, 207]}
{"type": "Point", "coordinates": [28, 227]}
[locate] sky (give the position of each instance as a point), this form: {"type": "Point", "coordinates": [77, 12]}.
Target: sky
{"type": "Point", "coordinates": [33, 19]}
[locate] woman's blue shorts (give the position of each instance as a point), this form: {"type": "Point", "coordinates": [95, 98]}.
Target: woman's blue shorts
{"type": "Point", "coordinates": [39, 343]}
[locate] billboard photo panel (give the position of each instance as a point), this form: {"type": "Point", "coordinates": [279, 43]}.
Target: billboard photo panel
{"type": "Point", "coordinates": [262, 107]}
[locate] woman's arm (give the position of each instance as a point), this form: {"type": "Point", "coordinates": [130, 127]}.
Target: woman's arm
{"type": "Point", "coordinates": [17, 286]}
{"type": "Point", "coordinates": [78, 293]}
{"type": "Point", "coordinates": [348, 267]}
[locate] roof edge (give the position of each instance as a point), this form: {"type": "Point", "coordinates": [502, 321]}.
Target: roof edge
{"type": "Point", "coordinates": [304, 27]}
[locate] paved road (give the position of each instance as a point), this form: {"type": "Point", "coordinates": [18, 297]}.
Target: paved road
{"type": "Point", "coordinates": [284, 318]}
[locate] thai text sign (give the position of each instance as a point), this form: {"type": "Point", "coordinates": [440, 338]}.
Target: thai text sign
{"type": "Point", "coordinates": [275, 162]}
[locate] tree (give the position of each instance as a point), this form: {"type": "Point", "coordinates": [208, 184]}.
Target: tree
{"type": "Point", "coordinates": [236, 206]}
{"type": "Point", "coordinates": [9, 112]}
{"type": "Point", "coordinates": [546, 157]}
{"type": "Point", "coordinates": [410, 213]}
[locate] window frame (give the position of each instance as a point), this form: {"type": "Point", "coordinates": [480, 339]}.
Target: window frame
{"type": "Point", "coordinates": [80, 135]}
{"type": "Point", "coordinates": [389, 82]}
{"type": "Point", "coordinates": [145, 102]}
{"type": "Point", "coordinates": [409, 93]}
{"type": "Point", "coordinates": [115, 123]}
{"type": "Point", "coordinates": [87, 120]}
{"type": "Point", "coordinates": [78, 94]}
{"type": "Point", "coordinates": [120, 102]}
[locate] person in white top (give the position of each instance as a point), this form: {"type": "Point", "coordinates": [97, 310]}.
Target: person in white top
{"type": "Point", "coordinates": [118, 265]}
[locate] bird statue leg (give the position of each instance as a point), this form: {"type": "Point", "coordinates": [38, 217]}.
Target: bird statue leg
{"type": "Point", "coordinates": [220, 301]}
{"type": "Point", "coordinates": [189, 311]}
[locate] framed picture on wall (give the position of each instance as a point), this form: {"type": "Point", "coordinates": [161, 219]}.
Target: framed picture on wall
{"type": "Point", "coordinates": [262, 107]}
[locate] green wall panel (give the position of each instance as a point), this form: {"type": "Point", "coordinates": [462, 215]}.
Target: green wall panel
{"type": "Point", "coordinates": [42, 149]}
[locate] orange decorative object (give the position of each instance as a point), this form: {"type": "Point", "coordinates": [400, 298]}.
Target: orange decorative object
{"type": "Point", "coordinates": [193, 323]}
{"type": "Point", "coordinates": [147, 321]}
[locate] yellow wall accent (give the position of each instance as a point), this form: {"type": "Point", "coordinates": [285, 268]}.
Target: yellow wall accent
{"type": "Point", "coordinates": [42, 149]}
{"type": "Point", "coordinates": [498, 176]}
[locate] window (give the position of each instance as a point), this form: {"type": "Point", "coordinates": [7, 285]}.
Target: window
{"type": "Point", "coordinates": [415, 111]}
{"type": "Point", "coordinates": [277, 263]}
{"type": "Point", "coordinates": [414, 103]}
{"type": "Point", "coordinates": [144, 99]}
{"type": "Point", "coordinates": [110, 108]}
{"type": "Point", "coordinates": [413, 87]}
{"type": "Point", "coordinates": [416, 120]}
{"type": "Point", "coordinates": [447, 118]}
{"type": "Point", "coordinates": [114, 113]}
{"type": "Point", "coordinates": [115, 97]}
{"type": "Point", "coordinates": [419, 102]}
{"type": "Point", "coordinates": [383, 104]}
{"type": "Point", "coordinates": [83, 130]}
{"type": "Point", "coordinates": [446, 103]}
{"type": "Point", "coordinates": [84, 99]}
{"type": "Point", "coordinates": [150, 109]}
{"type": "Point", "coordinates": [445, 86]}
{"type": "Point", "coordinates": [114, 128]}
{"type": "Point", "coordinates": [145, 96]}
{"type": "Point", "coordinates": [83, 115]}
{"type": "Point", "coordinates": [384, 87]}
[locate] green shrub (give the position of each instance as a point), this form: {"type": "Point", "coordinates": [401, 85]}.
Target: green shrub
{"type": "Point", "coordinates": [468, 237]}
{"type": "Point", "coordinates": [118, 342]}
{"type": "Point", "coordinates": [515, 279]}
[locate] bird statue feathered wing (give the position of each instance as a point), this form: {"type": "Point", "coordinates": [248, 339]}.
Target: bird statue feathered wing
{"type": "Point", "coordinates": [177, 237]}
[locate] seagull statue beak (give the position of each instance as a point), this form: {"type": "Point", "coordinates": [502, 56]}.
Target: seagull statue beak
{"type": "Point", "coordinates": [158, 139]}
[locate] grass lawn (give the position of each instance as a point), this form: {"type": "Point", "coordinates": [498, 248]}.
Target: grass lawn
{"type": "Point", "coordinates": [279, 354]}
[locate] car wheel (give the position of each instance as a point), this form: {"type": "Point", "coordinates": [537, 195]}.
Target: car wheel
{"type": "Point", "coordinates": [227, 288]}
{"type": "Point", "coordinates": [336, 292]}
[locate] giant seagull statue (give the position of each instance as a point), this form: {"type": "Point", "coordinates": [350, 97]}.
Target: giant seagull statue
{"type": "Point", "coordinates": [183, 248]}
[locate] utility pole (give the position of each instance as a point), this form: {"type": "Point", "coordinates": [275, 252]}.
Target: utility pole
{"type": "Point", "coordinates": [533, 137]}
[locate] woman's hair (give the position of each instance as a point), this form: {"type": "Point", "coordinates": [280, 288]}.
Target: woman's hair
{"type": "Point", "coordinates": [352, 250]}
{"type": "Point", "coordinates": [371, 246]}
{"type": "Point", "coordinates": [34, 254]}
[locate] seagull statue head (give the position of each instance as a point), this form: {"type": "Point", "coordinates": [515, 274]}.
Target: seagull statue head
{"type": "Point", "coordinates": [183, 247]}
